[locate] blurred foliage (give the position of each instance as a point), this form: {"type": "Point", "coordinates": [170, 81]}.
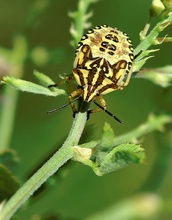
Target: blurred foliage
{"type": "Point", "coordinates": [35, 35]}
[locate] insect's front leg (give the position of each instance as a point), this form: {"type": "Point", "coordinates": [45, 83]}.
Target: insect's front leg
{"type": "Point", "coordinates": [131, 71]}
{"type": "Point", "coordinates": [68, 78]}
{"type": "Point", "coordinates": [123, 84]}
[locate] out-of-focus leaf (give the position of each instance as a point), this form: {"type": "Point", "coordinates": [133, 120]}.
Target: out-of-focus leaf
{"type": "Point", "coordinates": [107, 138]}
{"type": "Point", "coordinates": [143, 206]}
{"type": "Point", "coordinates": [44, 79]}
{"type": "Point", "coordinates": [26, 86]}
{"type": "Point", "coordinates": [10, 160]}
{"type": "Point", "coordinates": [161, 76]}
{"type": "Point", "coordinates": [8, 183]}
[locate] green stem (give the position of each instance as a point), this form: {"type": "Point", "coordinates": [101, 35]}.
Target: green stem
{"type": "Point", "coordinates": [16, 58]}
{"type": "Point", "coordinates": [80, 20]}
{"type": "Point", "coordinates": [48, 169]}
{"type": "Point", "coordinates": [153, 123]}
{"type": "Point", "coordinates": [149, 40]}
{"type": "Point", "coordinates": [7, 116]}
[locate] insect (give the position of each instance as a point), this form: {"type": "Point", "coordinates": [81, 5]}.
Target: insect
{"type": "Point", "coordinates": [103, 63]}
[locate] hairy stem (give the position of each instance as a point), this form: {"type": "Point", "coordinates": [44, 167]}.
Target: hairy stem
{"type": "Point", "coordinates": [48, 169]}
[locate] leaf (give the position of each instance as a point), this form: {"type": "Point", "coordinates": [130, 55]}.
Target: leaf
{"type": "Point", "coordinates": [27, 86]}
{"type": "Point", "coordinates": [9, 164]}
{"type": "Point", "coordinates": [8, 183]}
{"type": "Point", "coordinates": [10, 160]}
{"type": "Point", "coordinates": [120, 157]}
{"type": "Point", "coordinates": [107, 138]}
{"type": "Point", "coordinates": [43, 79]}
{"type": "Point", "coordinates": [140, 206]}
{"type": "Point", "coordinates": [160, 76]}
{"type": "Point", "coordinates": [104, 157]}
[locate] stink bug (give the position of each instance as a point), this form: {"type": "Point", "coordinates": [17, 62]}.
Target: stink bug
{"type": "Point", "coordinates": [103, 63]}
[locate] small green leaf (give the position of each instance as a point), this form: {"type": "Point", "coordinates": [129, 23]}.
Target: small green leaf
{"type": "Point", "coordinates": [142, 59]}
{"type": "Point", "coordinates": [106, 143]}
{"type": "Point", "coordinates": [104, 157]}
{"type": "Point", "coordinates": [120, 157]}
{"type": "Point", "coordinates": [26, 86]}
{"type": "Point", "coordinates": [107, 138]}
{"type": "Point", "coordinates": [91, 144]}
{"type": "Point", "coordinates": [43, 79]}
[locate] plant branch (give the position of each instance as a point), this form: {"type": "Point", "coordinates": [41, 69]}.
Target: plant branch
{"type": "Point", "coordinates": [80, 18]}
{"type": "Point", "coordinates": [48, 169]}
{"type": "Point", "coordinates": [149, 40]}
{"type": "Point", "coordinates": [153, 123]}
{"type": "Point", "coordinates": [16, 58]}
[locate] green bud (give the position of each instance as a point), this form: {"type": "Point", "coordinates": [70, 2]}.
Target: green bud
{"type": "Point", "coordinates": [156, 8]}
{"type": "Point", "coordinates": [167, 4]}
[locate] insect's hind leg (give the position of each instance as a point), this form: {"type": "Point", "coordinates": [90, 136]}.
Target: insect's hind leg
{"type": "Point", "coordinates": [102, 104]}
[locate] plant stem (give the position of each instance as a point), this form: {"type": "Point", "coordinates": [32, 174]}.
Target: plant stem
{"type": "Point", "coordinates": [80, 20]}
{"type": "Point", "coordinates": [7, 116]}
{"type": "Point", "coordinates": [16, 58]}
{"type": "Point", "coordinates": [48, 169]}
{"type": "Point", "coordinates": [153, 123]}
{"type": "Point", "coordinates": [149, 40]}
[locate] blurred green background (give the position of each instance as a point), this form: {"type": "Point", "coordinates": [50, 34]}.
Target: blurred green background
{"type": "Point", "coordinates": [76, 192]}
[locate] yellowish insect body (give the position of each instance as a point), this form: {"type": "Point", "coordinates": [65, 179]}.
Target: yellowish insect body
{"type": "Point", "coordinates": [103, 61]}
{"type": "Point", "coordinates": [103, 64]}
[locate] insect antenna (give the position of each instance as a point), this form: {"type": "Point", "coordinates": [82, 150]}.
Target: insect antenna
{"type": "Point", "coordinates": [63, 106]}
{"type": "Point", "coordinates": [109, 113]}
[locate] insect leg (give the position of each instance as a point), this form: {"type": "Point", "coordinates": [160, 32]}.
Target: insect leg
{"type": "Point", "coordinates": [102, 106]}
{"type": "Point", "coordinates": [68, 78]}
{"type": "Point", "coordinates": [127, 79]}
{"type": "Point", "coordinates": [74, 94]}
{"type": "Point", "coordinates": [102, 103]}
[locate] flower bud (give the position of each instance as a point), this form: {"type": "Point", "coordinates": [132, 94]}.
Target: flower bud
{"type": "Point", "coordinates": [156, 8]}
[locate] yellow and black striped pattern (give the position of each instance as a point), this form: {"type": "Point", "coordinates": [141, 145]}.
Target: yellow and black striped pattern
{"type": "Point", "coordinates": [103, 61]}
